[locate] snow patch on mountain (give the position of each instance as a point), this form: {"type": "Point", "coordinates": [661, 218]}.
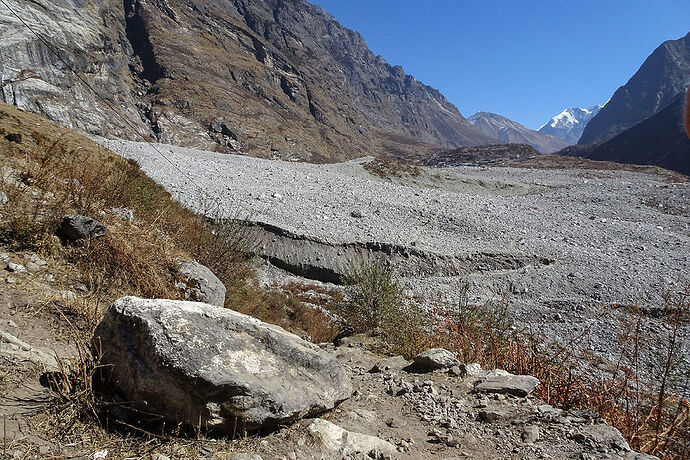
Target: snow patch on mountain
{"type": "Point", "coordinates": [570, 123]}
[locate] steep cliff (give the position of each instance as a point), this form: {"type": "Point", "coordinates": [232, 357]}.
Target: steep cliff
{"type": "Point", "coordinates": [277, 78]}
{"type": "Point", "coordinates": [664, 74]}
{"type": "Point", "coordinates": [659, 140]}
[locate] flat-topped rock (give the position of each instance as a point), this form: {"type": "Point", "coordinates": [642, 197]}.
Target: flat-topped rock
{"type": "Point", "coordinates": [505, 383]}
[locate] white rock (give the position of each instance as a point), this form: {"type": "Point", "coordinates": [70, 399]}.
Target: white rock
{"type": "Point", "coordinates": [16, 268]}
{"type": "Point", "coordinates": [331, 437]}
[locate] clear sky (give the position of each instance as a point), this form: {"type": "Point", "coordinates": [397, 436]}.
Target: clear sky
{"type": "Point", "coordinates": [524, 59]}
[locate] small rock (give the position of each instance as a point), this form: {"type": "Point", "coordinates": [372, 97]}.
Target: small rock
{"type": "Point", "coordinates": [14, 137]}
{"type": "Point", "coordinates": [472, 370]}
{"type": "Point", "coordinates": [9, 280]}
{"type": "Point", "coordinates": [452, 442]}
{"type": "Point", "coordinates": [32, 267]}
{"type": "Point", "coordinates": [491, 415]}
{"type": "Point", "coordinates": [457, 371]}
{"type": "Point", "coordinates": [516, 385]}
{"type": "Point", "coordinates": [396, 423]}
{"type": "Point", "coordinates": [4, 199]}
{"type": "Point", "coordinates": [386, 364]}
{"type": "Point", "coordinates": [277, 196]}
{"type": "Point", "coordinates": [357, 214]}
{"type": "Point", "coordinates": [531, 434]}
{"type": "Point", "coordinates": [15, 268]}
{"type": "Point", "coordinates": [201, 284]}
{"type": "Point", "coordinates": [37, 260]}
{"type": "Point", "coordinates": [68, 295]}
{"type": "Point", "coordinates": [4, 257]}
{"type": "Point", "coordinates": [123, 213]}
{"type": "Point", "coordinates": [436, 358]}
{"type": "Point", "coordinates": [11, 323]}
{"type": "Point", "coordinates": [331, 437]}
{"type": "Point", "coordinates": [76, 228]}
{"type": "Point", "coordinates": [246, 456]}
{"type": "Point", "coordinates": [161, 457]}
{"type": "Point", "coordinates": [603, 435]}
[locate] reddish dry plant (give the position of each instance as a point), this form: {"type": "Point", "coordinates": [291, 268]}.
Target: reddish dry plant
{"type": "Point", "coordinates": [645, 396]}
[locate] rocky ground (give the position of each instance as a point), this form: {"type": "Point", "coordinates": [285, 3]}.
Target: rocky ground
{"type": "Point", "coordinates": [397, 409]}
{"type": "Point", "coordinates": [569, 247]}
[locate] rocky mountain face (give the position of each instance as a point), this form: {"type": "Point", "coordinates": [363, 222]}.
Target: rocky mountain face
{"type": "Point", "coordinates": [278, 78]}
{"type": "Point", "coordinates": [508, 131]}
{"type": "Point", "coordinates": [659, 140]}
{"type": "Point", "coordinates": [570, 123]}
{"type": "Point", "coordinates": [663, 75]}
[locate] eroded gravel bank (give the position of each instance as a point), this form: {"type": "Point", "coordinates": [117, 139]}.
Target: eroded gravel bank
{"type": "Point", "coordinates": [614, 237]}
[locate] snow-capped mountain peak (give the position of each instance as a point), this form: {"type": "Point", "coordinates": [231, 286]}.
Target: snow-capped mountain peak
{"type": "Point", "coordinates": [570, 123]}
{"type": "Point", "coordinates": [506, 130]}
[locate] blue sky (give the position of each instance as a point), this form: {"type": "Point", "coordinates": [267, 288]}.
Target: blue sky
{"type": "Point", "coordinates": [527, 60]}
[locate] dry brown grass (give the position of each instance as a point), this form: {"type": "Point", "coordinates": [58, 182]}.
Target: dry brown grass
{"type": "Point", "coordinates": [54, 172]}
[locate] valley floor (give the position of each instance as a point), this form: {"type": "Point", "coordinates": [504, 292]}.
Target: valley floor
{"type": "Point", "coordinates": [569, 247]}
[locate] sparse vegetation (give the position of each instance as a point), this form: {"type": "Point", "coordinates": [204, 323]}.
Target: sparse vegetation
{"type": "Point", "coordinates": [376, 303]}
{"type": "Point", "coordinates": [388, 168]}
{"type": "Point", "coordinates": [54, 172]}
{"type": "Point", "coordinates": [645, 395]}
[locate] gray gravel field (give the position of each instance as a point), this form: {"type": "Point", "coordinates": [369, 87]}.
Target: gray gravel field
{"type": "Point", "coordinates": [610, 237]}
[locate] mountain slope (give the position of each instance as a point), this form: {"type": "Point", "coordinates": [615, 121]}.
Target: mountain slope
{"type": "Point", "coordinates": [659, 140]}
{"type": "Point", "coordinates": [664, 74]}
{"type": "Point", "coordinates": [277, 78]}
{"type": "Point", "coordinates": [508, 131]}
{"type": "Point", "coordinates": [570, 123]}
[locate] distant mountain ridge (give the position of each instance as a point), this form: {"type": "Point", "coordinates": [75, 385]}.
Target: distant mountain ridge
{"type": "Point", "coordinates": [506, 130]}
{"type": "Point", "coordinates": [271, 78]}
{"type": "Point", "coordinates": [659, 140]}
{"type": "Point", "coordinates": [662, 76]}
{"type": "Point", "coordinates": [570, 123]}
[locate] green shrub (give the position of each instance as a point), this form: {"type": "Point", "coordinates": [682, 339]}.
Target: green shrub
{"type": "Point", "coordinates": [376, 303]}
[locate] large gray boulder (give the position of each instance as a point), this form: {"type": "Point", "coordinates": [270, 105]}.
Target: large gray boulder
{"type": "Point", "coordinates": [200, 365]}
{"type": "Point", "coordinates": [200, 284]}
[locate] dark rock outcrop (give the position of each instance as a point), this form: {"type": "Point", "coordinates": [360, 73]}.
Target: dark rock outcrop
{"type": "Point", "coordinates": [663, 75]}
{"type": "Point", "coordinates": [75, 229]}
{"type": "Point", "coordinates": [659, 140]}
{"type": "Point", "coordinates": [212, 368]}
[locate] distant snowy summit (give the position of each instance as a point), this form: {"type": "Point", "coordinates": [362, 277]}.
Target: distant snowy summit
{"type": "Point", "coordinates": [570, 123]}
